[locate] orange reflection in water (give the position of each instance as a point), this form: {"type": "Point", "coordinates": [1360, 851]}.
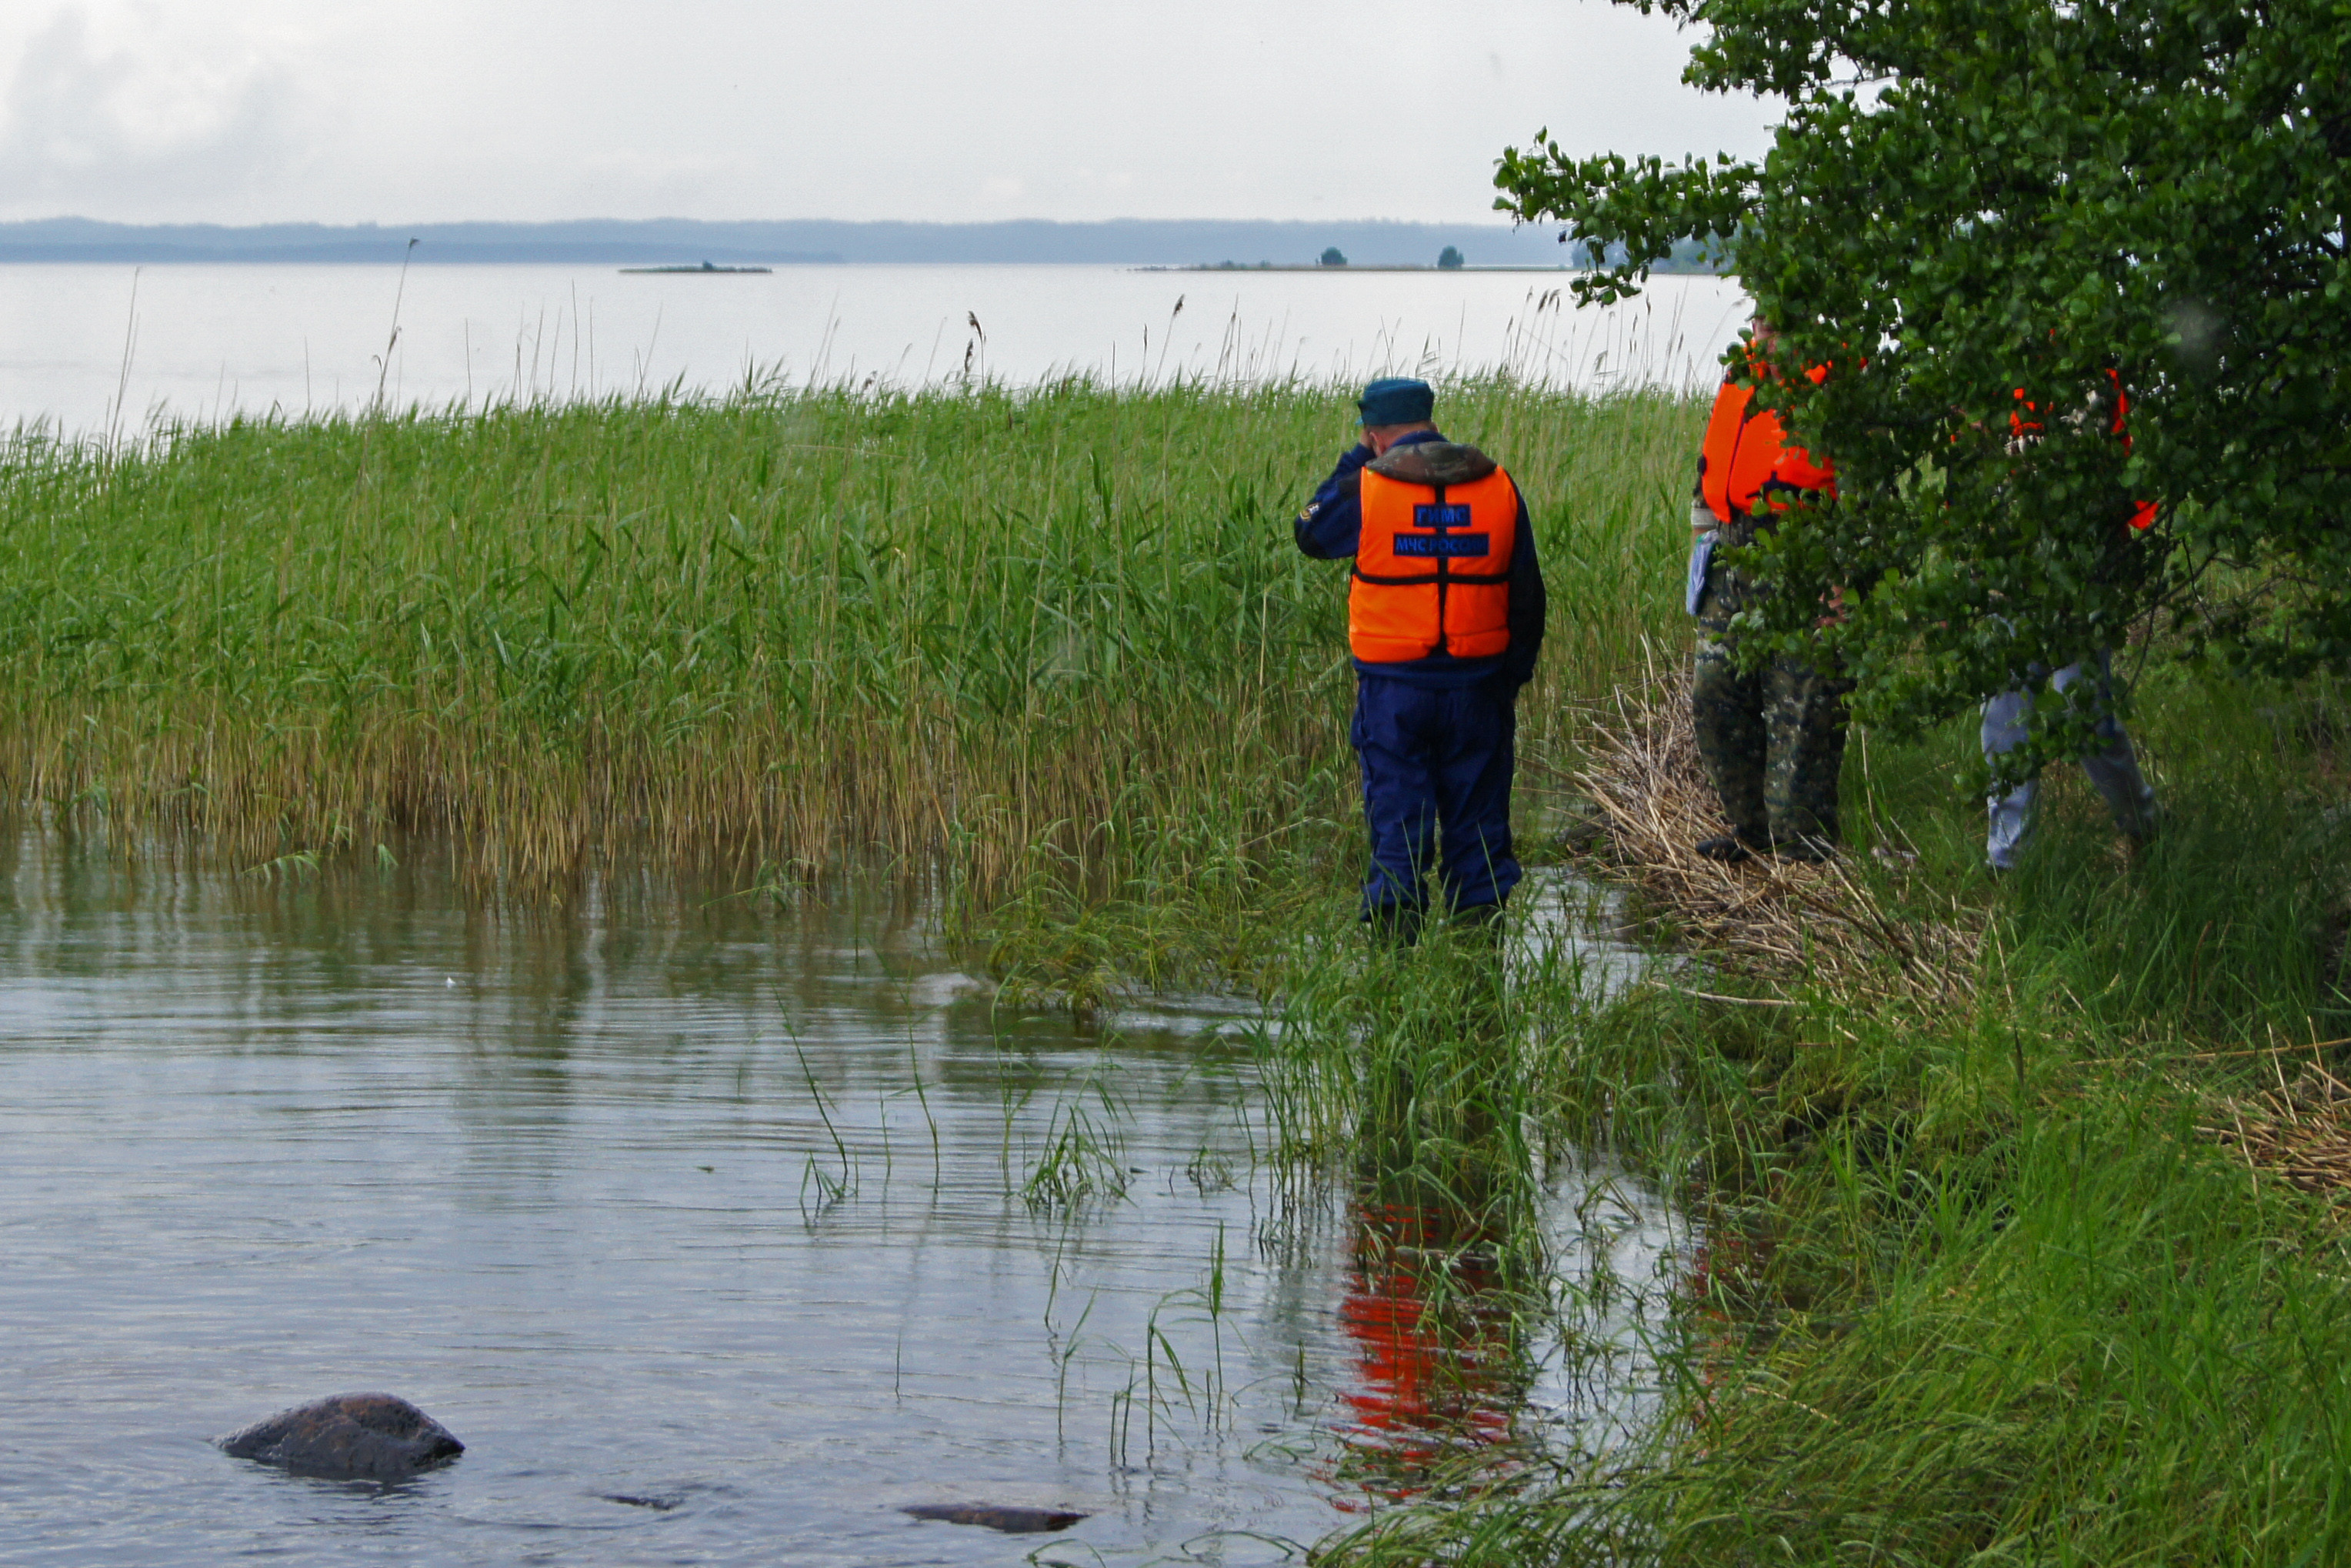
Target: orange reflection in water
{"type": "Point", "coordinates": [1724, 1268]}
{"type": "Point", "coordinates": [1439, 1369]}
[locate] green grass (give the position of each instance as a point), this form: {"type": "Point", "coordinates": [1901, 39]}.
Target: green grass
{"type": "Point", "coordinates": [1974, 1287]}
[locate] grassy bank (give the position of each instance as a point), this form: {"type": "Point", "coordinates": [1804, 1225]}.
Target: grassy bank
{"type": "Point", "coordinates": [1057, 639]}
{"type": "Point", "coordinates": [1986, 1276]}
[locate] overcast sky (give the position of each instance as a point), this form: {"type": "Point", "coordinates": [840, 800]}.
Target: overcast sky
{"type": "Point", "coordinates": [414, 110]}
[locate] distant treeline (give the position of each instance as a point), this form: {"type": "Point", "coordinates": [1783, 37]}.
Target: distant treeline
{"type": "Point", "coordinates": [1132, 242]}
{"type": "Point", "coordinates": [1689, 255]}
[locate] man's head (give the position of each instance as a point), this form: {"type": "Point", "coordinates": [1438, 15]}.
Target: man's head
{"type": "Point", "coordinates": [1394, 407]}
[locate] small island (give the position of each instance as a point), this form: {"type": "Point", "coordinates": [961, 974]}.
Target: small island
{"type": "Point", "coordinates": [706, 267]}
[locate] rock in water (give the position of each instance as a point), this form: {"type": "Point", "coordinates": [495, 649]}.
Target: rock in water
{"type": "Point", "coordinates": [348, 1437]}
{"type": "Point", "coordinates": [1011, 1521]}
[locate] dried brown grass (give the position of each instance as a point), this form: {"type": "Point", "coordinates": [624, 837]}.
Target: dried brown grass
{"type": "Point", "coordinates": [2299, 1131]}
{"type": "Point", "coordinates": [1774, 919]}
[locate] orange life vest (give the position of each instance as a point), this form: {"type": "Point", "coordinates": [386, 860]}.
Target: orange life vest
{"type": "Point", "coordinates": [1433, 569]}
{"type": "Point", "coordinates": [2142, 513]}
{"type": "Point", "coordinates": [1748, 453]}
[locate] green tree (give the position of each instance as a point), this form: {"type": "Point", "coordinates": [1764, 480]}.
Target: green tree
{"type": "Point", "coordinates": [1449, 258]}
{"type": "Point", "coordinates": [1334, 256]}
{"type": "Point", "coordinates": [1968, 198]}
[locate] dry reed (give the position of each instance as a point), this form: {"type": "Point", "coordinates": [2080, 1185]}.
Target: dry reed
{"type": "Point", "coordinates": [2299, 1131]}
{"type": "Point", "coordinates": [1777, 919]}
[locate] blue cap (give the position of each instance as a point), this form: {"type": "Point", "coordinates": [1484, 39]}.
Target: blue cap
{"type": "Point", "coordinates": [1396, 399]}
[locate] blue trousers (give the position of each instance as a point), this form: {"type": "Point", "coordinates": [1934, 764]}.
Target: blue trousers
{"type": "Point", "coordinates": [1435, 762]}
{"type": "Point", "coordinates": [2113, 767]}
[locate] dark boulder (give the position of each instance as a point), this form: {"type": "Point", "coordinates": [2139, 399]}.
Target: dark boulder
{"type": "Point", "coordinates": [348, 1437]}
{"type": "Point", "coordinates": [994, 1516]}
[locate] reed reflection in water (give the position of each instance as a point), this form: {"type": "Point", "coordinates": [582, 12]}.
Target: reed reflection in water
{"type": "Point", "coordinates": [660, 1194]}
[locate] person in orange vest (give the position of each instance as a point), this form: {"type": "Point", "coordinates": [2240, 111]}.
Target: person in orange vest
{"type": "Point", "coordinates": [1773, 741]}
{"type": "Point", "coordinates": [1444, 618]}
{"type": "Point", "coordinates": [2110, 764]}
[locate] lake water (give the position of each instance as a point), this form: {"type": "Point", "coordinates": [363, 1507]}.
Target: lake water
{"type": "Point", "coordinates": [722, 1207]}
{"type": "Point", "coordinates": [89, 349]}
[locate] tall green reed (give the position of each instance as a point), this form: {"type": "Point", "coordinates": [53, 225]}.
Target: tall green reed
{"type": "Point", "coordinates": [1056, 637]}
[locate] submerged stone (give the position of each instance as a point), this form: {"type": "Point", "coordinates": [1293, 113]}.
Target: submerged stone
{"type": "Point", "coordinates": [1012, 1520]}
{"type": "Point", "coordinates": [348, 1437]}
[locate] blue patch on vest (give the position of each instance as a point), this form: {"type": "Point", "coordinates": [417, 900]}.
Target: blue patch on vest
{"type": "Point", "coordinates": [1453, 515]}
{"type": "Point", "coordinates": [1440, 544]}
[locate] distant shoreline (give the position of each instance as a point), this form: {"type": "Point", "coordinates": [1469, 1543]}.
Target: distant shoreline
{"type": "Point", "coordinates": [1175, 244]}
{"type": "Point", "coordinates": [1349, 266]}
{"type": "Point", "coordinates": [1402, 266]}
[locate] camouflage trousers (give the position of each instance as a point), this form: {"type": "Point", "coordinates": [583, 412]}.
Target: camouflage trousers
{"type": "Point", "coordinates": [1771, 739]}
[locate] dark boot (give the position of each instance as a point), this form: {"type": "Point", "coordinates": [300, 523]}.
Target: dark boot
{"type": "Point", "coordinates": [1734, 847]}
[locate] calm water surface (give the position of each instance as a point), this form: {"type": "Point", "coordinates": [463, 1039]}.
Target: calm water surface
{"type": "Point", "coordinates": [94, 349]}
{"type": "Point", "coordinates": [718, 1206]}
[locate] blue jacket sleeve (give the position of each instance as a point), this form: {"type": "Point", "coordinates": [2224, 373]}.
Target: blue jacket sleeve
{"type": "Point", "coordinates": [1333, 522]}
{"type": "Point", "coordinates": [1528, 605]}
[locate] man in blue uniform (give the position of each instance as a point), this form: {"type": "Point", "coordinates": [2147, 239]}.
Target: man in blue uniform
{"type": "Point", "coordinates": [1445, 617]}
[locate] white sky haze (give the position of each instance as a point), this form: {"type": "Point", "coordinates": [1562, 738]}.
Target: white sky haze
{"type": "Point", "coordinates": [427, 110]}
